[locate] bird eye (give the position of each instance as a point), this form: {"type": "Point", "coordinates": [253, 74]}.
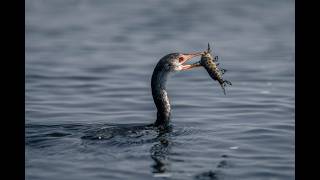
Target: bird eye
{"type": "Point", "coordinates": [181, 59]}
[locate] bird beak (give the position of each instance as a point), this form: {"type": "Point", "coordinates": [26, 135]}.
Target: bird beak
{"type": "Point", "coordinates": [189, 56]}
{"type": "Point", "coordinates": [186, 57]}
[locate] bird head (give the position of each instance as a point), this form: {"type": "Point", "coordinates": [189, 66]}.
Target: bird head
{"type": "Point", "coordinates": [177, 61]}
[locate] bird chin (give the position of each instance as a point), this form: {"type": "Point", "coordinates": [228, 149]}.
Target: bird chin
{"type": "Point", "coordinates": [178, 68]}
{"type": "Point", "coordinates": [183, 67]}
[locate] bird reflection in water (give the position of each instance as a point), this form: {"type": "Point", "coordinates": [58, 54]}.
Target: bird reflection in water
{"type": "Point", "coordinates": [159, 153]}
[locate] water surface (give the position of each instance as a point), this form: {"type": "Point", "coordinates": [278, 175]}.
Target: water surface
{"type": "Point", "coordinates": [88, 95]}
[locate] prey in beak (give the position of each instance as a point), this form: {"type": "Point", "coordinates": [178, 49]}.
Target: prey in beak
{"type": "Point", "coordinates": [185, 57]}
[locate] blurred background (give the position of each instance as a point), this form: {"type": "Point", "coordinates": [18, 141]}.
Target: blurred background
{"type": "Point", "coordinates": [89, 65]}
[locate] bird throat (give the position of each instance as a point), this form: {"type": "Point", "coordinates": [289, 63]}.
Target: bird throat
{"type": "Point", "coordinates": [160, 97]}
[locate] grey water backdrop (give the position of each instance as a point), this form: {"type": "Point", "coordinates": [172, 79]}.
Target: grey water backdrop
{"type": "Point", "coordinates": [88, 72]}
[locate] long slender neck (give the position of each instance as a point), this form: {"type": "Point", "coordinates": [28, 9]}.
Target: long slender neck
{"type": "Point", "coordinates": [160, 97]}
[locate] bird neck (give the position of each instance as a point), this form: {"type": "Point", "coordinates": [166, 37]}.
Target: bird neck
{"type": "Point", "coordinates": [160, 97]}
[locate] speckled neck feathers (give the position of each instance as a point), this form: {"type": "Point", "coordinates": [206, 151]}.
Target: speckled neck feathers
{"type": "Point", "coordinates": [159, 94]}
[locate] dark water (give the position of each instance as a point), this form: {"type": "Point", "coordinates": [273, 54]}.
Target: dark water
{"type": "Point", "coordinates": [88, 97]}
